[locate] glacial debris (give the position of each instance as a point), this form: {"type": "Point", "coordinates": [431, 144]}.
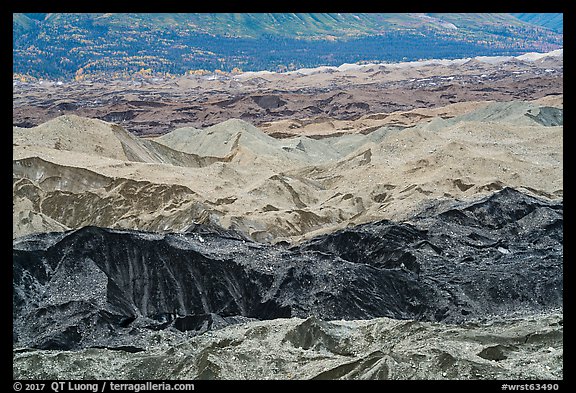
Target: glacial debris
{"type": "Point", "coordinates": [98, 287]}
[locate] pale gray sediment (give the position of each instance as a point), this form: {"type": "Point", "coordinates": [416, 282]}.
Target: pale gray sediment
{"type": "Point", "coordinates": [486, 274]}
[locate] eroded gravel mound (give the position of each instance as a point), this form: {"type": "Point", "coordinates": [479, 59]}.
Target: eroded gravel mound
{"type": "Point", "coordinates": [517, 348]}
{"type": "Point", "coordinates": [456, 262]}
{"type": "Point", "coordinates": [74, 172]}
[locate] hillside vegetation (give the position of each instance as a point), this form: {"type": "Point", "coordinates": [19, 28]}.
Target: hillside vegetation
{"type": "Point", "coordinates": [76, 45]}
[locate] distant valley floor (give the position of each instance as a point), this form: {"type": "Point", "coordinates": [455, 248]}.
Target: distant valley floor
{"type": "Point", "coordinates": [305, 97]}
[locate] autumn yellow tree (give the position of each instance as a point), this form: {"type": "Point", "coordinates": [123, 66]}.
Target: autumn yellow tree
{"type": "Point", "coordinates": [145, 72]}
{"type": "Point", "coordinates": [79, 74]}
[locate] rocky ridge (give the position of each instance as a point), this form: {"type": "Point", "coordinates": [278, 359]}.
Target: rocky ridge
{"type": "Point", "coordinates": [235, 176]}
{"type": "Point", "coordinates": [488, 268]}
{"type": "Point", "coordinates": [451, 264]}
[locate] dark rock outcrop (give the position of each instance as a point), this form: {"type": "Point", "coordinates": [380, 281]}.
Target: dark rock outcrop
{"type": "Point", "coordinates": [97, 287]}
